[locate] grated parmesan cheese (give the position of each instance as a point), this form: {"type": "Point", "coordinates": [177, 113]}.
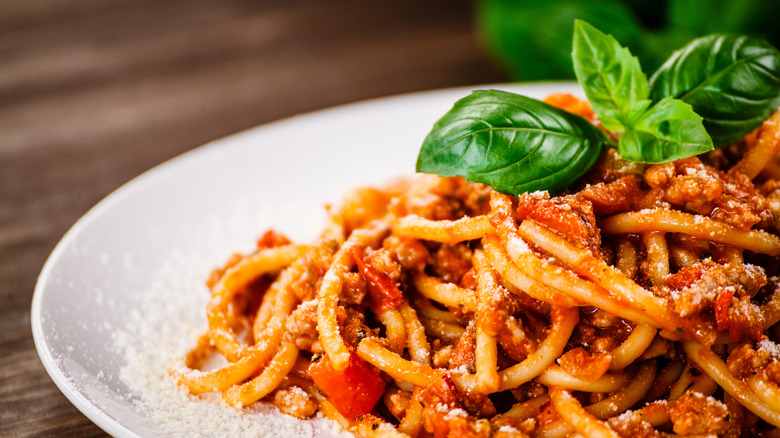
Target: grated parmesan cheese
{"type": "Point", "coordinates": [517, 246]}
{"type": "Point", "coordinates": [455, 413]}
{"type": "Point", "coordinates": [173, 317]}
{"type": "Point", "coordinates": [770, 347]}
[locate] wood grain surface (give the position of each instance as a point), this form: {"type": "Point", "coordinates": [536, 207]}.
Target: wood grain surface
{"type": "Point", "coordinates": [94, 92]}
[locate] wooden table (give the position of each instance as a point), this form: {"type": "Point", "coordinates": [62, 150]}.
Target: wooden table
{"type": "Point", "coordinates": [94, 92]}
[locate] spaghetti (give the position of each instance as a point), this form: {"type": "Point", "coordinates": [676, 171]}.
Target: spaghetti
{"type": "Point", "coordinates": [637, 304]}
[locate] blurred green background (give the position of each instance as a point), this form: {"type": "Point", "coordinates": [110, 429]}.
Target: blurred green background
{"type": "Point", "coordinates": [531, 39]}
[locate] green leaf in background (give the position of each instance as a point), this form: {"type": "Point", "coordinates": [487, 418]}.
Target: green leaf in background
{"type": "Point", "coordinates": [692, 18]}
{"type": "Point", "coordinates": [532, 39]}
{"type": "Point", "coordinates": [611, 77]}
{"type": "Point", "coordinates": [669, 130]}
{"type": "Point", "coordinates": [732, 81]}
{"type": "Point", "coordinates": [513, 143]}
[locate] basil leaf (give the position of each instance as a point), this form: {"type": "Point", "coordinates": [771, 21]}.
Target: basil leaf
{"type": "Point", "coordinates": [732, 81]}
{"type": "Point", "coordinates": [669, 130]}
{"type": "Point", "coordinates": [611, 77]}
{"type": "Point", "coordinates": [513, 143]}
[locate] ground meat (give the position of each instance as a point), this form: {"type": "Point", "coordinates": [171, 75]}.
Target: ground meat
{"type": "Point", "coordinates": [631, 425]}
{"type": "Point", "coordinates": [698, 188]}
{"type": "Point", "coordinates": [688, 411]}
{"type": "Point", "coordinates": [315, 265]}
{"type": "Point", "coordinates": [294, 401]}
{"type": "Point", "coordinates": [469, 280]}
{"type": "Point", "coordinates": [702, 327]}
{"type": "Point", "coordinates": [718, 295]}
{"type": "Point", "coordinates": [503, 313]}
{"type": "Point", "coordinates": [598, 332]}
{"type": "Point", "coordinates": [601, 319]}
{"type": "Point", "coordinates": [465, 427]}
{"type": "Point", "coordinates": [474, 197]}
{"type": "Point", "coordinates": [514, 340]}
{"type": "Point", "coordinates": [353, 326]}
{"type": "Point", "coordinates": [444, 199]}
{"type": "Point", "coordinates": [382, 260]}
{"type": "Point", "coordinates": [501, 304]}
{"type": "Point", "coordinates": [451, 262]}
{"type": "Point", "coordinates": [353, 289]}
{"type": "Point", "coordinates": [772, 372]}
{"type": "Point", "coordinates": [614, 197]}
{"type": "Point", "coordinates": [636, 429]}
{"type": "Point", "coordinates": [409, 252]}
{"type": "Point", "coordinates": [441, 354]}
{"type": "Point", "coordinates": [438, 400]}
{"type": "Point", "coordinates": [547, 415]}
{"type": "Point", "coordinates": [745, 361]}
{"type": "Point", "coordinates": [463, 355]}
{"type": "Point", "coordinates": [302, 326]}
{"type": "Point", "coordinates": [570, 216]}
{"type": "Point", "coordinates": [610, 167]}
{"type": "Point", "coordinates": [771, 190]}
{"type": "Point", "coordinates": [738, 316]}
{"type": "Point", "coordinates": [696, 287]}
{"type": "Point", "coordinates": [508, 427]}
{"type": "Point", "coordinates": [432, 206]}
{"type": "Point", "coordinates": [397, 401]}
{"type": "Point", "coordinates": [477, 403]}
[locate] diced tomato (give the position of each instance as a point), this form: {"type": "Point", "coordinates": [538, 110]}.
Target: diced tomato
{"type": "Point", "coordinates": [383, 293]}
{"type": "Point", "coordinates": [353, 391]}
{"type": "Point", "coordinates": [687, 276]}
{"type": "Point", "coordinates": [567, 216]}
{"type": "Point", "coordinates": [721, 309]}
{"type": "Point", "coordinates": [581, 364]}
{"type": "Point", "coordinates": [438, 399]}
{"type": "Point", "coordinates": [737, 316]}
{"type": "Point", "coordinates": [272, 239]}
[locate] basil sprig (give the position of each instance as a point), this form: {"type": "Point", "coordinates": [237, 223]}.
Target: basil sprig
{"type": "Point", "coordinates": [513, 143]}
{"type": "Point", "coordinates": [617, 90]}
{"type": "Point", "coordinates": [517, 144]}
{"type": "Point", "coordinates": [732, 81]}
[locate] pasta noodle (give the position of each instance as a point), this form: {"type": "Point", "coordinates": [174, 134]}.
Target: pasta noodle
{"type": "Point", "coordinates": [632, 305]}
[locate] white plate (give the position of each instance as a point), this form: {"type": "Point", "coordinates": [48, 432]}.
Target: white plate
{"type": "Point", "coordinates": [123, 280]}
